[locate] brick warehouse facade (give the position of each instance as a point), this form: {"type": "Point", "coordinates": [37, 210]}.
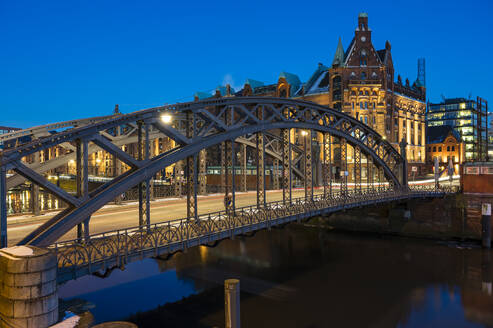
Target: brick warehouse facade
{"type": "Point", "coordinates": [359, 82]}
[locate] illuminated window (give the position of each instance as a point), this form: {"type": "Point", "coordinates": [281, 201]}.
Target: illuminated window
{"type": "Point", "coordinates": [463, 106]}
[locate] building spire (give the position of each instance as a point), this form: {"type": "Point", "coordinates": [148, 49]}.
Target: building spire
{"type": "Point", "coordinates": [339, 56]}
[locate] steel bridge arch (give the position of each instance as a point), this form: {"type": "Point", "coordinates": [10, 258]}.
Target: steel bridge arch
{"type": "Point", "coordinates": [52, 231]}
{"type": "Point", "coordinates": [302, 115]}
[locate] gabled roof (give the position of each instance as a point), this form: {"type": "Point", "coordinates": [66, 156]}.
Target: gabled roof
{"type": "Point", "coordinates": [437, 134]}
{"type": "Point", "coordinates": [320, 69]}
{"type": "Point", "coordinates": [348, 50]}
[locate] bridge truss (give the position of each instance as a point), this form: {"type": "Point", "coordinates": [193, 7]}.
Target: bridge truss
{"type": "Point", "coordinates": [266, 124]}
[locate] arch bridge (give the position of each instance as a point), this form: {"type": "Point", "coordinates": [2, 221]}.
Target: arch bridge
{"type": "Point", "coordinates": [194, 127]}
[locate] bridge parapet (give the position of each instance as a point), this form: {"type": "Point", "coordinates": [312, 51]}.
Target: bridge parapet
{"type": "Point", "coordinates": [110, 250]}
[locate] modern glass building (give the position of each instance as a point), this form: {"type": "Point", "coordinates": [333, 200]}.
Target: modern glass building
{"type": "Point", "coordinates": [468, 118]}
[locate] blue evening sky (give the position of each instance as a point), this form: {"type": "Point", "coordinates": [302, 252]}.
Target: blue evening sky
{"type": "Point", "coordinates": [62, 60]}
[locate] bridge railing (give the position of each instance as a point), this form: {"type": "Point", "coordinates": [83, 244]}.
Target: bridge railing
{"type": "Point", "coordinates": [118, 247]}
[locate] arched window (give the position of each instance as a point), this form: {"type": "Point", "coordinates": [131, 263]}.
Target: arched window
{"type": "Point", "coordinates": [363, 75]}
{"type": "Point", "coordinates": [363, 58]}
{"type": "Point", "coordinates": [366, 93]}
{"type": "Point", "coordinates": [282, 93]}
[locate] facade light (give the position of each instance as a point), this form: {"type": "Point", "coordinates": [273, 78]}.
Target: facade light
{"type": "Point", "coordinates": [166, 118]}
{"type": "Point", "coordinates": [304, 133]}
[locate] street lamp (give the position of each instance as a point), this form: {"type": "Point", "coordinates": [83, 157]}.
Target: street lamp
{"type": "Point", "coordinates": [304, 133]}
{"type": "Point", "coordinates": [166, 118]}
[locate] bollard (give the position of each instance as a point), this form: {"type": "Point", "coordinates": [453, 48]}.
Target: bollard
{"type": "Point", "coordinates": [486, 225]}
{"type": "Point", "coordinates": [232, 303]}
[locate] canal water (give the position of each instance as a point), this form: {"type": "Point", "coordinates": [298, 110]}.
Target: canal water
{"type": "Point", "coordinates": [300, 276]}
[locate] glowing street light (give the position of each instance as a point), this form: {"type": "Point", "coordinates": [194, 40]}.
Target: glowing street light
{"type": "Point", "coordinates": [166, 118]}
{"type": "Point", "coordinates": [304, 133]}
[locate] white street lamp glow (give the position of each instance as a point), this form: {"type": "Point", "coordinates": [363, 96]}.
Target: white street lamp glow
{"type": "Point", "coordinates": [166, 118]}
{"type": "Point", "coordinates": [304, 133]}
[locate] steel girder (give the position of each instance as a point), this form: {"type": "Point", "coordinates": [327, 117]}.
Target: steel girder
{"type": "Point", "coordinates": [212, 130]}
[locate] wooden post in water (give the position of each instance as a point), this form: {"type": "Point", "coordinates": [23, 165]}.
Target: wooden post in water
{"type": "Point", "coordinates": [486, 225]}
{"type": "Point", "coordinates": [232, 303]}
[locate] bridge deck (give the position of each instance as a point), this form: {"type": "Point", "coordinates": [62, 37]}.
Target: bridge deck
{"type": "Point", "coordinates": [116, 248]}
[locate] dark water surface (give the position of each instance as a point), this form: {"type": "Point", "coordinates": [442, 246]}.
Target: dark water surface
{"type": "Point", "coordinates": [302, 276]}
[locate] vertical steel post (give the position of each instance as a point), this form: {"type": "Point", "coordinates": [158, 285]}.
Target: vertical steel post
{"type": "Point", "coordinates": [140, 186]}
{"type": "Point", "coordinates": [344, 170]}
{"type": "Point", "coordinates": [403, 145]}
{"type": "Point", "coordinates": [275, 174]}
{"type": "Point", "coordinates": [82, 182]}
{"type": "Point", "coordinates": [357, 169]}
{"type": "Point", "coordinates": [308, 165]}
{"type": "Point", "coordinates": [261, 201]}
{"type": "Point", "coordinates": [223, 167]}
{"type": "Point", "coordinates": [191, 175]}
{"type": "Point", "coordinates": [3, 207]}
{"type": "Point", "coordinates": [35, 190]}
{"type": "Point", "coordinates": [178, 177]}
{"type": "Point", "coordinates": [286, 166]}
{"type": "Point", "coordinates": [369, 172]}
{"type": "Point", "coordinates": [203, 172]}
{"type": "Point", "coordinates": [244, 187]}
{"type": "Point", "coordinates": [148, 183]}
{"type": "Point", "coordinates": [327, 167]}
{"type": "Point", "coordinates": [233, 174]}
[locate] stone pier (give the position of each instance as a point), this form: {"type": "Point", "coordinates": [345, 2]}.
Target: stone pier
{"type": "Point", "coordinates": [28, 287]}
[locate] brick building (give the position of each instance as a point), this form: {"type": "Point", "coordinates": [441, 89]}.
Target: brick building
{"type": "Point", "coordinates": [360, 82]}
{"type": "Point", "coordinates": [444, 143]}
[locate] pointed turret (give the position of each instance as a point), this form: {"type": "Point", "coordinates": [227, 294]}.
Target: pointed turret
{"type": "Point", "coordinates": [339, 56]}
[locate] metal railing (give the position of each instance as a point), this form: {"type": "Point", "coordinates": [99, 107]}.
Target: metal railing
{"type": "Point", "coordinates": [116, 248]}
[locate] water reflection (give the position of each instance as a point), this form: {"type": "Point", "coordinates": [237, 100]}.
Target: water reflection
{"type": "Point", "coordinates": [302, 276]}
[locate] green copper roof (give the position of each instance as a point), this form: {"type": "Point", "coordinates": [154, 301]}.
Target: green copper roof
{"type": "Point", "coordinates": [202, 95]}
{"type": "Point", "coordinates": [363, 15]}
{"type": "Point", "coordinates": [254, 83]}
{"type": "Point", "coordinates": [339, 56]}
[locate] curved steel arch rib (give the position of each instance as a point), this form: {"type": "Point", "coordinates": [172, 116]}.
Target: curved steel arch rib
{"type": "Point", "coordinates": [55, 228]}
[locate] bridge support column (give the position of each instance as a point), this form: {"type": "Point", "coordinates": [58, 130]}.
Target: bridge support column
{"type": "Point", "coordinates": [178, 168]}
{"type": "Point", "coordinates": [144, 187]}
{"type": "Point", "coordinates": [28, 297]}
{"type": "Point", "coordinates": [308, 164]}
{"type": "Point", "coordinates": [286, 166]}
